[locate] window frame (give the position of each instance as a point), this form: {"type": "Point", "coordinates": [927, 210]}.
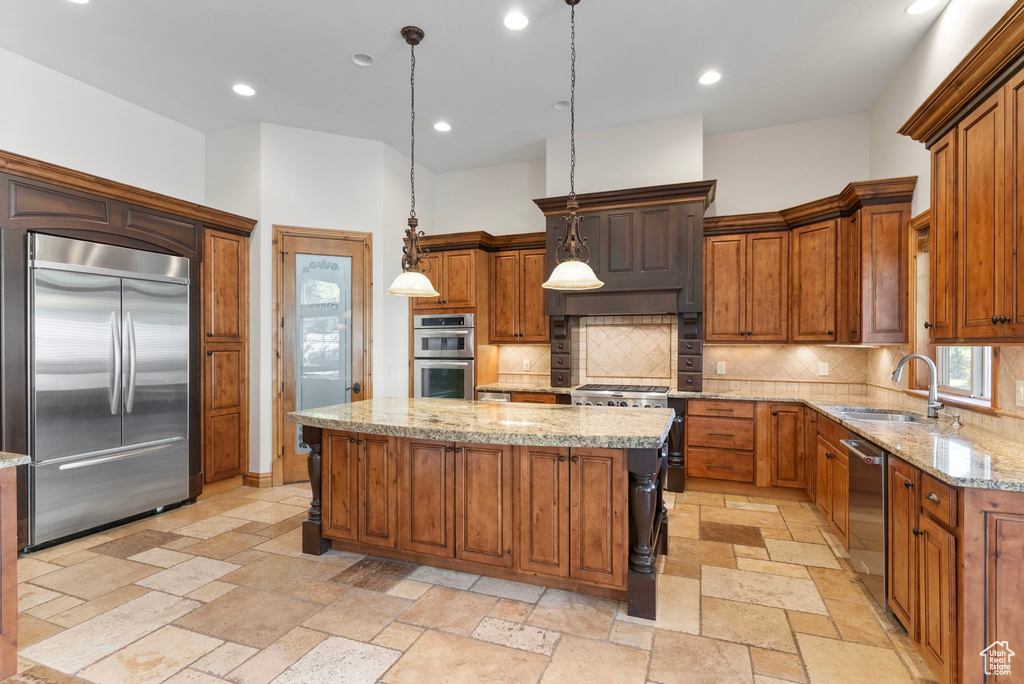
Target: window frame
{"type": "Point", "coordinates": [981, 380]}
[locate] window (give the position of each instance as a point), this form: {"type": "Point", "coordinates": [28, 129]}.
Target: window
{"type": "Point", "coordinates": [966, 371]}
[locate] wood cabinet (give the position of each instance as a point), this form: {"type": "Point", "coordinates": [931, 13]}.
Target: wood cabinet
{"type": "Point", "coordinates": [378, 523]}
{"type": "Point", "coordinates": [746, 295]}
{"type": "Point", "coordinates": [832, 478]}
{"type": "Point", "coordinates": [517, 311]}
{"type": "Point", "coordinates": [340, 485]}
{"type": "Point", "coordinates": [936, 617]}
{"type": "Point", "coordinates": [483, 504]}
{"type": "Point", "coordinates": [542, 542]}
{"type": "Point", "coordinates": [901, 484]}
{"type": "Point", "coordinates": [597, 515]}
{"type": "Point", "coordinates": [454, 275]}
{"type": "Point", "coordinates": [720, 438]}
{"type": "Point", "coordinates": [426, 488]}
{"type": "Point", "coordinates": [225, 401]}
{"type": "Point", "coordinates": [813, 309]}
{"type": "Point", "coordinates": [942, 273]}
{"type": "Point", "coordinates": [535, 397]}
{"type": "Point", "coordinates": [786, 445]}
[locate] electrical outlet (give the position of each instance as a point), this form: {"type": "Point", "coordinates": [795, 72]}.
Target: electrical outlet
{"type": "Point", "coordinates": [526, 364]}
{"type": "Point", "coordinates": [721, 368]}
{"type": "Point", "coordinates": [1020, 393]}
{"type": "Point", "coordinates": [822, 368]}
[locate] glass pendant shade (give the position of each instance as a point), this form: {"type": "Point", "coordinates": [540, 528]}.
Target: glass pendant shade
{"type": "Point", "coordinates": [412, 284]}
{"type": "Point", "coordinates": [573, 275]}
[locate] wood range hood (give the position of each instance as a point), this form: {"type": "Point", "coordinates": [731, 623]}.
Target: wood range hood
{"type": "Point", "coordinates": [646, 246]}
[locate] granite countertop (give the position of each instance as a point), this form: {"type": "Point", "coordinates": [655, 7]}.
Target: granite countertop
{"type": "Point", "coordinates": [10, 460]}
{"type": "Point", "coordinates": [484, 422]}
{"type": "Point", "coordinates": [962, 457]}
{"type": "Point", "coordinates": [522, 387]}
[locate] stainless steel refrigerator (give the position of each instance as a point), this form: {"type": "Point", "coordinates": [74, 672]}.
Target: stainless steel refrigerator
{"type": "Point", "coordinates": [109, 390]}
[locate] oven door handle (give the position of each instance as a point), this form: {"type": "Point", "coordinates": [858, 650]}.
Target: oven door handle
{"type": "Point", "coordinates": [439, 362]}
{"type": "Point", "coordinates": [441, 332]}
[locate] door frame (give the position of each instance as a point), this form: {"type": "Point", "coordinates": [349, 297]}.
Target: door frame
{"type": "Point", "coordinates": [281, 232]}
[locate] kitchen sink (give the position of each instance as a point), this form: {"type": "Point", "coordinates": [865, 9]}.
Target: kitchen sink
{"type": "Point", "coordinates": [883, 417]}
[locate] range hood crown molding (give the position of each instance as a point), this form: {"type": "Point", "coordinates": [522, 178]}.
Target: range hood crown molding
{"type": "Point", "coordinates": [696, 191]}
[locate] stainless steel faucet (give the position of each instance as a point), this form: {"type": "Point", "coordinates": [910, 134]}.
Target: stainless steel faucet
{"type": "Point", "coordinates": [933, 383]}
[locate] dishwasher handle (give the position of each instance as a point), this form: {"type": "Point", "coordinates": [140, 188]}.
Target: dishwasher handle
{"type": "Point", "coordinates": [865, 451]}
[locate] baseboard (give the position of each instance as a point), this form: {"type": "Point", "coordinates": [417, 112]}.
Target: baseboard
{"type": "Point", "coordinates": [258, 480]}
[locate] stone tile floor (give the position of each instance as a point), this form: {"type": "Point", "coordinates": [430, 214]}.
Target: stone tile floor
{"type": "Point", "coordinates": [754, 590]}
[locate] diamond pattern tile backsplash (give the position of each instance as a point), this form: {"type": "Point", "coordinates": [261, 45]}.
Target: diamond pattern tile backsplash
{"type": "Point", "coordinates": [786, 363]}
{"type": "Point", "coordinates": [627, 349]}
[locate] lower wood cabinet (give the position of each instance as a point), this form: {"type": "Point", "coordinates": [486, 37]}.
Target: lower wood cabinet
{"type": "Point", "coordinates": [542, 544]}
{"type": "Point", "coordinates": [534, 397]}
{"type": "Point", "coordinates": [483, 504]}
{"type": "Point", "coordinates": [786, 445]}
{"type": "Point", "coordinates": [225, 411]}
{"type": "Point", "coordinates": [936, 572]}
{"type": "Point", "coordinates": [426, 475]}
{"type": "Point", "coordinates": [901, 483]}
{"type": "Point", "coordinates": [377, 474]}
{"type": "Point", "coordinates": [597, 493]}
{"type": "Point", "coordinates": [832, 490]}
{"type": "Point", "coordinates": [720, 439]}
{"type": "Point", "coordinates": [340, 485]}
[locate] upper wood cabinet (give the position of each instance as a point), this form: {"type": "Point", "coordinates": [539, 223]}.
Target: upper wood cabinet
{"type": "Point", "coordinates": [746, 294]}
{"type": "Point", "coordinates": [941, 317]}
{"type": "Point", "coordinates": [517, 300]}
{"type": "Point", "coordinates": [226, 287]}
{"type": "Point", "coordinates": [813, 314]}
{"type": "Point", "coordinates": [455, 276]}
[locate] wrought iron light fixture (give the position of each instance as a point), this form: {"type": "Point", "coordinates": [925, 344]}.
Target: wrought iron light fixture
{"type": "Point", "coordinates": [574, 271]}
{"type": "Point", "coordinates": [411, 282]}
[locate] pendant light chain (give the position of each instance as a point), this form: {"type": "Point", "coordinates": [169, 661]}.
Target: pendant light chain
{"type": "Point", "coordinates": [412, 137]}
{"type": "Point", "coordinates": [572, 104]}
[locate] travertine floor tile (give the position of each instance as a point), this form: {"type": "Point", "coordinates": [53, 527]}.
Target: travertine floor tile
{"type": "Point", "coordinates": [224, 659]}
{"type": "Point", "coordinates": [210, 527]}
{"type": "Point", "coordinates": [678, 606]}
{"type": "Point", "coordinates": [802, 516]}
{"type": "Point", "coordinates": [783, 666]}
{"type": "Point", "coordinates": [564, 611]}
{"type": "Point", "coordinates": [842, 662]}
{"type": "Point", "coordinates": [33, 630]}
{"type": "Point", "coordinates": [190, 676]}
{"type": "Point", "coordinates": [628, 634]}
{"type": "Point", "coordinates": [273, 571]}
{"type": "Point", "coordinates": [839, 584]}
{"type": "Point", "coordinates": [747, 506]}
{"type": "Point", "coordinates": [250, 617]}
{"type": "Point", "coordinates": [340, 661]}
{"type": "Point", "coordinates": [72, 558]}
{"type": "Point", "coordinates": [772, 567]}
{"type": "Point", "coordinates": [450, 610]}
{"type": "Point", "coordinates": [95, 577]}
{"type": "Point", "coordinates": [225, 545]}
{"type": "Point", "coordinates": [516, 591]}
{"type": "Point", "coordinates": [265, 511]}
{"type": "Point", "coordinates": [441, 658]}
{"type": "Point", "coordinates": [446, 578]}
{"type": "Point", "coordinates": [857, 622]}
{"type": "Point", "coordinates": [516, 635]}
{"type": "Point", "coordinates": [809, 534]}
{"type": "Point", "coordinates": [40, 674]}
{"type": "Point", "coordinates": [188, 576]}
{"type": "Point", "coordinates": [160, 557]}
{"type": "Point", "coordinates": [153, 658]}
{"type": "Point", "coordinates": [275, 659]}
{"type": "Point", "coordinates": [684, 524]}
{"type": "Point", "coordinates": [30, 596]}
{"type": "Point", "coordinates": [746, 623]}
{"type": "Point", "coordinates": [595, 662]}
{"type": "Point", "coordinates": [358, 614]}
{"type": "Point", "coordinates": [808, 623]}
{"type": "Point", "coordinates": [512, 611]}
{"type": "Point", "coordinates": [742, 535]}
{"type": "Point", "coordinates": [683, 659]}
{"type": "Point", "coordinates": [737, 516]}
{"type": "Point", "coordinates": [410, 589]}
{"type": "Point", "coordinates": [306, 589]}
{"type": "Point", "coordinates": [376, 574]}
{"type": "Point", "coordinates": [816, 555]}
{"type": "Point", "coordinates": [208, 592]}
{"type": "Point", "coordinates": [702, 498]}
{"type": "Point", "coordinates": [287, 544]}
{"type": "Point", "coordinates": [47, 610]}
{"type": "Point", "coordinates": [766, 590]}
{"type": "Point", "coordinates": [749, 552]}
{"type": "Point", "coordinates": [133, 544]}
{"type": "Point", "coordinates": [91, 609]}
{"type": "Point", "coordinates": [398, 636]}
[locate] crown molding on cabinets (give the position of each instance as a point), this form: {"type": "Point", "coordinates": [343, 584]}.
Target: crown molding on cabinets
{"type": "Point", "coordinates": [479, 239]}
{"type": "Point", "coordinates": [698, 191]}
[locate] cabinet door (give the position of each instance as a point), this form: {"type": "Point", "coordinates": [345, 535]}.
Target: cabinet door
{"type": "Point", "coordinates": [377, 517]}
{"type": "Point", "coordinates": [459, 280]}
{"type": "Point", "coordinates": [483, 503]}
{"type": "Point", "coordinates": [725, 265]}
{"type": "Point", "coordinates": [942, 296]}
{"type": "Point", "coordinates": [979, 226]}
{"type": "Point", "coordinates": [597, 491]}
{"type": "Point", "coordinates": [884, 282]}
{"type": "Point", "coordinates": [505, 294]}
{"type": "Point", "coordinates": [425, 486]}
{"type": "Point", "coordinates": [813, 293]}
{"type": "Point", "coordinates": [849, 287]}
{"type": "Point", "coordinates": [340, 485]}
{"type": "Point", "coordinates": [936, 561]}
{"type": "Point", "coordinates": [542, 546]}
{"type": "Point", "coordinates": [840, 484]}
{"type": "Point", "coordinates": [823, 478]}
{"type": "Point", "coordinates": [810, 447]}
{"type": "Point", "coordinates": [226, 287]}
{"type": "Point", "coordinates": [767, 285]}
{"type": "Point", "coordinates": [433, 267]}
{"type": "Point", "coordinates": [533, 321]}
{"type": "Point", "coordinates": [786, 443]}
{"type": "Point", "coordinates": [901, 483]}
{"type": "Point", "coordinates": [225, 405]}
{"type": "Point", "coordinates": [1014, 250]}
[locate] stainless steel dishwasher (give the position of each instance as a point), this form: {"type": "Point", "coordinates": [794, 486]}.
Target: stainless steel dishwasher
{"type": "Point", "coordinates": [494, 396]}
{"type": "Point", "coordinates": [868, 540]}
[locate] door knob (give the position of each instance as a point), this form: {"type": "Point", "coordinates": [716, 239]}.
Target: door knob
{"type": "Point", "coordinates": [574, 459]}
{"type": "Point", "coordinates": [447, 449]}
{"type": "Point", "coordinates": [1003, 319]}
{"type": "Point", "coordinates": [831, 332]}
{"type": "Point", "coordinates": [917, 532]}
{"type": "Point", "coordinates": [351, 439]}
{"type": "Point", "coordinates": [356, 388]}
{"type": "Point", "coordinates": [775, 413]}
{"type": "Point", "coordinates": [561, 459]}
{"type": "Point", "coordinates": [908, 484]}
{"type": "Point", "coordinates": [209, 334]}
{"type": "Point", "coordinates": [209, 353]}
{"type": "Point", "coordinates": [458, 450]}
{"type": "Point", "coordinates": [995, 319]}
{"type": "Point", "coordinates": [927, 325]}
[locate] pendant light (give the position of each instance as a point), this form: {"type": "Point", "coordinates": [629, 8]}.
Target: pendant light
{"type": "Point", "coordinates": [574, 272]}
{"type": "Point", "coordinates": [411, 282]}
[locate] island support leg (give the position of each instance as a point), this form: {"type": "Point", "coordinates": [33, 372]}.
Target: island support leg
{"type": "Point", "coordinates": [648, 529]}
{"type": "Point", "coordinates": [313, 541]}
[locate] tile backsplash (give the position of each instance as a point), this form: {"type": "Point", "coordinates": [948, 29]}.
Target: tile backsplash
{"type": "Point", "coordinates": [510, 364]}
{"type": "Point", "coordinates": [628, 349]}
{"type": "Point", "coordinates": [788, 363]}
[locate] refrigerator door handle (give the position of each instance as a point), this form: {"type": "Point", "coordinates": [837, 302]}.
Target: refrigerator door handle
{"type": "Point", "coordinates": [132, 363]}
{"type": "Point", "coordinates": [115, 382]}
{"type": "Point", "coordinates": [117, 457]}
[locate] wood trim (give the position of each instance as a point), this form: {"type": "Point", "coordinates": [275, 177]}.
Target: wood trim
{"type": "Point", "coordinates": [703, 191]}
{"type": "Point", "coordinates": [258, 480]}
{"type": "Point", "coordinates": [8, 573]}
{"type": "Point", "coordinates": [959, 402]}
{"type": "Point", "coordinates": [279, 233]}
{"type": "Point", "coordinates": [922, 221]}
{"type": "Point", "coordinates": [26, 167]}
{"type": "Point", "coordinates": [484, 241]}
{"type": "Point", "coordinates": [999, 49]}
{"type": "Point", "coordinates": [744, 223]}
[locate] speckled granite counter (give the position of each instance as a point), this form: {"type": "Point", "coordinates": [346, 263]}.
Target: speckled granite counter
{"type": "Point", "coordinates": [10, 460]}
{"type": "Point", "coordinates": [522, 387]}
{"type": "Point", "coordinates": [496, 423]}
{"type": "Point", "coordinates": [964, 457]}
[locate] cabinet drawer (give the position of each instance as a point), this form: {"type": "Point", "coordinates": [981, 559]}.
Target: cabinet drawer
{"type": "Point", "coordinates": [938, 500]}
{"type": "Point", "coordinates": [833, 432]}
{"type": "Point", "coordinates": [561, 362]}
{"type": "Point", "coordinates": [719, 433]}
{"type": "Point", "coordinates": [720, 409]}
{"type": "Point", "coordinates": [690, 382]}
{"type": "Point", "coordinates": [534, 398]}
{"type": "Point", "coordinates": [688, 363]}
{"type": "Point", "coordinates": [718, 464]}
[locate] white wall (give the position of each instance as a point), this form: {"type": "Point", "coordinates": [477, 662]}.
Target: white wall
{"type": "Point", "coordinates": [957, 30]}
{"type": "Point", "coordinates": [495, 199]}
{"type": "Point", "coordinates": [773, 168]}
{"type": "Point", "coordinates": [49, 116]}
{"type": "Point", "coordinates": [653, 153]}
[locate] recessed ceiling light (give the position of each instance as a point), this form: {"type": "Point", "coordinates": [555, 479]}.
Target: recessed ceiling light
{"type": "Point", "coordinates": [80, 2]}
{"type": "Point", "coordinates": [709, 77]}
{"type": "Point", "coordinates": [362, 59]}
{"type": "Point", "coordinates": [243, 89]}
{"type": "Point", "coordinates": [516, 21]}
{"type": "Point", "coordinates": [921, 6]}
{"type": "Point", "coordinates": [442, 126]}
{"type": "Point", "coordinates": [560, 104]}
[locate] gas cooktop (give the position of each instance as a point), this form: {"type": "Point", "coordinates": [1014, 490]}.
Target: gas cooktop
{"type": "Point", "coordinates": [652, 389]}
{"type": "Point", "coordinates": [634, 396]}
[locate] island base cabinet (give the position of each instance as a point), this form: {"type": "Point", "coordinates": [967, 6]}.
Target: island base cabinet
{"type": "Point", "coordinates": [483, 504]}
{"type": "Point", "coordinates": [542, 546]}
{"type": "Point", "coordinates": [426, 492]}
{"type": "Point", "coordinates": [597, 491]}
{"type": "Point", "coordinates": [376, 495]}
{"type": "Point", "coordinates": [358, 488]}
{"type": "Point", "coordinates": [340, 485]}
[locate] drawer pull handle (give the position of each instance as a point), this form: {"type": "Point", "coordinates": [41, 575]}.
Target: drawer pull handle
{"type": "Point", "coordinates": [917, 532]}
{"type": "Point", "coordinates": [711, 408]}
{"type": "Point", "coordinates": [574, 459]}
{"type": "Point", "coordinates": [561, 459]}
{"type": "Point", "coordinates": [719, 434]}
{"type": "Point", "coordinates": [933, 497]}
{"type": "Point", "coordinates": [351, 440]}
{"type": "Point", "coordinates": [725, 467]}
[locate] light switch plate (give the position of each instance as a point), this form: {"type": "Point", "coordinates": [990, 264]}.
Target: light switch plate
{"type": "Point", "coordinates": [822, 368]}
{"type": "Point", "coordinates": [1020, 393]}
{"type": "Point", "coordinates": [720, 368]}
{"type": "Point", "coordinates": [526, 364]}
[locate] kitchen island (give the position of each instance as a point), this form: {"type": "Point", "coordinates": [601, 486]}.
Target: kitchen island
{"type": "Point", "coordinates": [9, 562]}
{"type": "Point", "coordinates": [560, 496]}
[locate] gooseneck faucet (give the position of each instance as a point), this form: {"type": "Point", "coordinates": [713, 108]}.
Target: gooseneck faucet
{"type": "Point", "coordinates": [933, 383]}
